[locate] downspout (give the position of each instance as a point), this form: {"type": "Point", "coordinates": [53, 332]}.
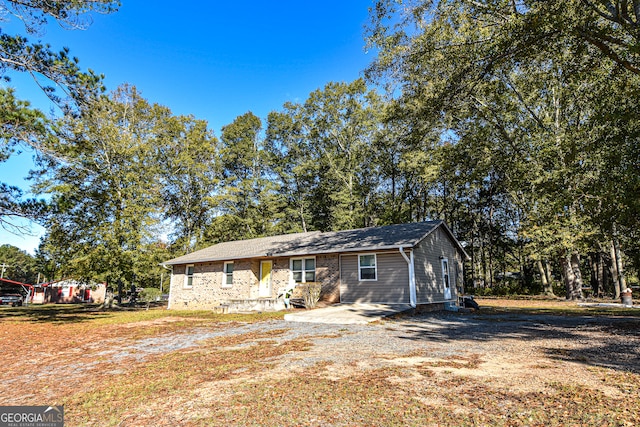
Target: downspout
{"type": "Point", "coordinates": [412, 276]}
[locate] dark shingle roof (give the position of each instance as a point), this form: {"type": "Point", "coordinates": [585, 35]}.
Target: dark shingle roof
{"type": "Point", "coordinates": [316, 242]}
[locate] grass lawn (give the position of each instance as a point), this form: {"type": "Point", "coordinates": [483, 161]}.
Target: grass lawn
{"type": "Point", "coordinates": [167, 368]}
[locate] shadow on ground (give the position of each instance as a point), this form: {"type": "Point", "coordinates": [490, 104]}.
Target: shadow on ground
{"type": "Point", "coordinates": [54, 313]}
{"type": "Point", "coordinates": [598, 340]}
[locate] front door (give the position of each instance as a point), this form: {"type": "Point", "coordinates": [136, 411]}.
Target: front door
{"type": "Point", "coordinates": [445, 278]}
{"type": "Point", "coordinates": [265, 279]}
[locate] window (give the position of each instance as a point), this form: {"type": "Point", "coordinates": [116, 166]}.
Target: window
{"type": "Point", "coordinates": [445, 278]}
{"type": "Point", "coordinates": [228, 274]}
{"type": "Point", "coordinates": [303, 270]}
{"type": "Point", "coordinates": [445, 272]}
{"type": "Point", "coordinates": [367, 267]}
{"type": "Point", "coordinates": [188, 279]}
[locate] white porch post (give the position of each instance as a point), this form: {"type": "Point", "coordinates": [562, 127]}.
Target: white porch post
{"type": "Point", "coordinates": [412, 276]}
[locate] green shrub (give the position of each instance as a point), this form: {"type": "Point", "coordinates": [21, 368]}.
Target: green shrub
{"type": "Point", "coordinates": [502, 289]}
{"type": "Point", "coordinates": [150, 294]}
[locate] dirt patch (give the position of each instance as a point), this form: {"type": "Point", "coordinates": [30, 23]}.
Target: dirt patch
{"type": "Point", "coordinates": [156, 322]}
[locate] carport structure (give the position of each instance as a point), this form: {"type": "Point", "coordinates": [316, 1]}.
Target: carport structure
{"type": "Point", "coordinates": [15, 285]}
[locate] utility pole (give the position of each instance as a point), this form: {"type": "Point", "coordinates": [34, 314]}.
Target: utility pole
{"type": "Point", "coordinates": [4, 267]}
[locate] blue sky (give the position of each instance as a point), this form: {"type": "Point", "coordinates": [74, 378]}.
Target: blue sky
{"type": "Point", "coordinates": [213, 60]}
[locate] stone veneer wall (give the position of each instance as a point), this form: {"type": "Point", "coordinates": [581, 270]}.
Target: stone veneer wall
{"type": "Point", "coordinates": [328, 273]}
{"type": "Point", "coordinates": [280, 275]}
{"type": "Point", "coordinates": [207, 291]}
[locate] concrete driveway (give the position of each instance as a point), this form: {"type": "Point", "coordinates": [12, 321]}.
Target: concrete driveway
{"type": "Point", "coordinates": [347, 314]}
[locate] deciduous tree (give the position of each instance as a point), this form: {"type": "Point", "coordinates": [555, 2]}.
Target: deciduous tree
{"type": "Point", "coordinates": [520, 86]}
{"type": "Point", "coordinates": [190, 175]}
{"type": "Point", "coordinates": [18, 265]}
{"type": "Point", "coordinates": [103, 184]}
{"type": "Point", "coordinates": [330, 140]}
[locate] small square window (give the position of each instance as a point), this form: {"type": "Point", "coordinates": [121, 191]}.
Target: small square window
{"type": "Point", "coordinates": [188, 279]}
{"type": "Point", "coordinates": [367, 267]}
{"type": "Point", "coordinates": [303, 270]}
{"type": "Point", "coordinates": [228, 274]}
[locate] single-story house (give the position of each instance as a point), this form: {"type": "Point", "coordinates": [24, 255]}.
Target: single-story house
{"type": "Point", "coordinates": [417, 263]}
{"type": "Point", "coordinates": [69, 291]}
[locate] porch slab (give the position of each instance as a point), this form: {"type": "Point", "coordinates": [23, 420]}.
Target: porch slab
{"type": "Point", "coordinates": [347, 314]}
{"type": "Point", "coordinates": [249, 305]}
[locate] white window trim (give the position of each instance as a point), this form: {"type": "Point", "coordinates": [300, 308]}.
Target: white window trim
{"type": "Point", "coordinates": [304, 278]}
{"type": "Point", "coordinates": [225, 274]}
{"type": "Point", "coordinates": [375, 266]}
{"type": "Point", "coordinates": [186, 276]}
{"type": "Point", "coordinates": [448, 294]}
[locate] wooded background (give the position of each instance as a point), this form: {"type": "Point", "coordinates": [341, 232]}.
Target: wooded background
{"type": "Point", "coordinates": [516, 122]}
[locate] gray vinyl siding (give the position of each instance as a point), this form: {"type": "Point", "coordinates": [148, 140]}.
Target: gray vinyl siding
{"type": "Point", "coordinates": [428, 267]}
{"type": "Point", "coordinates": [391, 286]}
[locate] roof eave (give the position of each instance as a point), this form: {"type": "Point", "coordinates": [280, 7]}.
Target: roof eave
{"type": "Point", "coordinates": [178, 261]}
{"type": "Point", "coordinates": [347, 250]}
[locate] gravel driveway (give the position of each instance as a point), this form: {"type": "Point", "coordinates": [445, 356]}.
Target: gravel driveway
{"type": "Point", "coordinates": [494, 363]}
{"type": "Point", "coordinates": [612, 342]}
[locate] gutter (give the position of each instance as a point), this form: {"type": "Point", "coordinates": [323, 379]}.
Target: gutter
{"type": "Point", "coordinates": [412, 275]}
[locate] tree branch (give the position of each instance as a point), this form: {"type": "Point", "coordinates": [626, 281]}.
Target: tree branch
{"type": "Point", "coordinates": [609, 52]}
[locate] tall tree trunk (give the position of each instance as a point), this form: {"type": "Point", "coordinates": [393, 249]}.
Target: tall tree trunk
{"type": "Point", "coordinates": [547, 288]}
{"type": "Point", "coordinates": [302, 220]}
{"type": "Point", "coordinates": [491, 267]}
{"type": "Point", "coordinates": [543, 277]}
{"type": "Point", "coordinates": [473, 260]}
{"type": "Point", "coordinates": [606, 285]}
{"type": "Point", "coordinates": [578, 284]}
{"type": "Point", "coordinates": [619, 263]}
{"type": "Point", "coordinates": [483, 260]}
{"type": "Point", "coordinates": [526, 273]}
{"type": "Point", "coordinates": [120, 292]}
{"type": "Point", "coordinates": [600, 275]}
{"type": "Point", "coordinates": [597, 273]}
{"type": "Point", "coordinates": [593, 270]}
{"type": "Point", "coordinates": [571, 275]}
{"type": "Point", "coordinates": [567, 275]}
{"type": "Point", "coordinates": [395, 210]}
{"type": "Point", "coordinates": [547, 269]}
{"type": "Point", "coordinates": [188, 245]}
{"type": "Point", "coordinates": [614, 272]}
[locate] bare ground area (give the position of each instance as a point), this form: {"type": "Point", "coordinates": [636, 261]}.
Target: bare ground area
{"type": "Point", "coordinates": [510, 364]}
